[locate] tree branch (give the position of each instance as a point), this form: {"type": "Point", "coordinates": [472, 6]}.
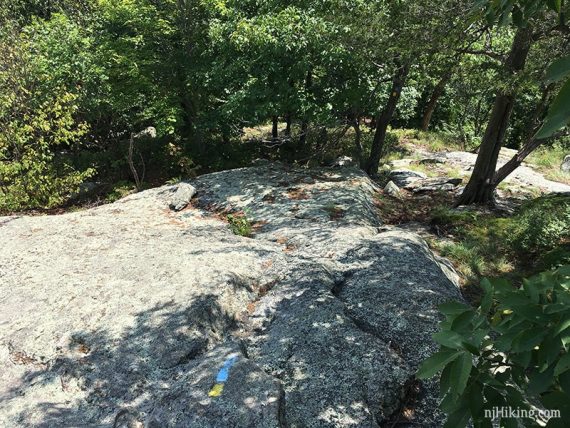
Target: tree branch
{"type": "Point", "coordinates": [490, 54]}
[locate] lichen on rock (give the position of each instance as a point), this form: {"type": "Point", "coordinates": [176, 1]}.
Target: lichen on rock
{"type": "Point", "coordinates": [123, 314]}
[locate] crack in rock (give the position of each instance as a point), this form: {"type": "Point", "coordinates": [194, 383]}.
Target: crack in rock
{"type": "Point", "coordinates": [328, 329]}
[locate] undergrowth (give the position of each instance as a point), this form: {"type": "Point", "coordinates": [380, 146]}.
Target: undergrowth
{"type": "Point", "coordinates": [240, 224]}
{"type": "Point", "coordinates": [480, 243]}
{"type": "Point", "coordinates": [548, 161]}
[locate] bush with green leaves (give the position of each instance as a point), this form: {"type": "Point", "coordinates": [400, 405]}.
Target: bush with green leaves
{"type": "Point", "coordinates": [240, 224]}
{"type": "Point", "coordinates": [512, 350]}
{"type": "Point", "coordinates": [543, 224]}
{"type": "Point", "coordinates": [31, 174]}
{"type": "Point", "coordinates": [39, 125]}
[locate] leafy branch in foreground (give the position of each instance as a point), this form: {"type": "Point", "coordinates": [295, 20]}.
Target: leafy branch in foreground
{"type": "Point", "coordinates": [512, 351]}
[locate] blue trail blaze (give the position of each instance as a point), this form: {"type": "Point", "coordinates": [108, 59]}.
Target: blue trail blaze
{"type": "Point", "coordinates": [224, 372]}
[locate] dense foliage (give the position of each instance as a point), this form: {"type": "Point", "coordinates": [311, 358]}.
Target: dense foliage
{"type": "Point", "coordinates": [513, 350]}
{"type": "Point", "coordinates": [38, 118]}
{"type": "Point", "coordinates": [78, 78]}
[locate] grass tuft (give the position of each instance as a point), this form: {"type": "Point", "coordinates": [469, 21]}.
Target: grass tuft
{"type": "Point", "coordinates": [240, 225]}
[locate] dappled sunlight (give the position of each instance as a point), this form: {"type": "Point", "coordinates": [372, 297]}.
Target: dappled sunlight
{"type": "Point", "coordinates": [216, 326]}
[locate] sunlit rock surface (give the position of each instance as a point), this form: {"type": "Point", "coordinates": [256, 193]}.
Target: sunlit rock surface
{"type": "Point", "coordinates": [128, 314]}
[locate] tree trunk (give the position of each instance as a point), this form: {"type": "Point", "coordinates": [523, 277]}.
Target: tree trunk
{"type": "Point", "coordinates": [274, 128]}
{"type": "Point", "coordinates": [384, 118]}
{"type": "Point", "coordinates": [480, 188]}
{"type": "Point", "coordinates": [190, 135]}
{"type": "Point", "coordinates": [358, 141]}
{"type": "Point", "coordinates": [288, 125]}
{"type": "Point", "coordinates": [432, 103]}
{"type": "Point", "coordinates": [303, 135]}
{"type": "Point", "coordinates": [530, 145]}
{"type": "Point", "coordinates": [304, 122]}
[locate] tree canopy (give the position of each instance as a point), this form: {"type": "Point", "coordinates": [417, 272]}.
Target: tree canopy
{"type": "Point", "coordinates": [201, 71]}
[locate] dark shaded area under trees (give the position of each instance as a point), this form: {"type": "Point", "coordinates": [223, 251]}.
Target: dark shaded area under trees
{"type": "Point", "coordinates": [79, 79]}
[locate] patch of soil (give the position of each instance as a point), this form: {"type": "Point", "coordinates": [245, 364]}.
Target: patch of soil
{"type": "Point", "coordinates": [336, 213]}
{"type": "Point", "coordinates": [410, 207]}
{"type": "Point", "coordinates": [297, 194]}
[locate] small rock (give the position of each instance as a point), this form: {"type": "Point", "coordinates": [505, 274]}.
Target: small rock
{"type": "Point", "coordinates": [565, 167]}
{"type": "Point", "coordinates": [431, 161]}
{"type": "Point", "coordinates": [404, 177]}
{"type": "Point", "coordinates": [455, 181]}
{"type": "Point", "coordinates": [441, 187]}
{"type": "Point", "coordinates": [182, 196]}
{"type": "Point", "coordinates": [128, 418]}
{"type": "Point", "coordinates": [308, 180]}
{"type": "Point", "coordinates": [400, 163]}
{"type": "Point", "coordinates": [434, 184]}
{"type": "Point", "coordinates": [392, 190]}
{"type": "Point", "coordinates": [343, 161]}
{"type": "Point", "coordinates": [259, 162]}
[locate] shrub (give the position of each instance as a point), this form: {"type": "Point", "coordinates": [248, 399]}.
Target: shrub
{"type": "Point", "coordinates": [537, 235]}
{"type": "Point", "coordinates": [240, 225]}
{"type": "Point", "coordinates": [512, 350]}
{"type": "Point", "coordinates": [38, 119]}
{"type": "Point", "coordinates": [543, 224]}
{"type": "Point", "coordinates": [31, 175]}
{"type": "Point", "coordinates": [120, 190]}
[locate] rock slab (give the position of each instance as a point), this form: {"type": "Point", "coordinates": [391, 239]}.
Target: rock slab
{"type": "Point", "coordinates": [125, 314]}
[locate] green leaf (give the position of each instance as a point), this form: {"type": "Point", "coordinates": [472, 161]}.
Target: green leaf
{"type": "Point", "coordinates": [557, 401]}
{"type": "Point", "coordinates": [540, 382]}
{"type": "Point", "coordinates": [453, 308]}
{"type": "Point", "coordinates": [487, 300]}
{"type": "Point", "coordinates": [515, 397]}
{"type": "Point", "coordinates": [564, 380]}
{"type": "Point", "coordinates": [449, 339]}
{"type": "Point", "coordinates": [564, 324]}
{"type": "Point", "coordinates": [475, 399]}
{"type": "Point", "coordinates": [460, 370]}
{"type": "Point", "coordinates": [528, 339]}
{"type": "Point", "coordinates": [563, 365]}
{"type": "Point", "coordinates": [505, 341]}
{"type": "Point", "coordinates": [548, 351]}
{"type": "Point", "coordinates": [457, 419]}
{"type": "Point", "coordinates": [449, 404]}
{"type": "Point", "coordinates": [445, 380]}
{"type": "Point", "coordinates": [463, 321]}
{"type": "Point", "coordinates": [558, 70]}
{"type": "Point", "coordinates": [554, 5]}
{"type": "Point", "coordinates": [493, 398]}
{"type": "Point", "coordinates": [531, 290]}
{"type": "Point", "coordinates": [565, 339]}
{"type": "Point", "coordinates": [501, 286]}
{"type": "Point", "coordinates": [558, 114]}
{"type": "Point", "coordinates": [555, 308]}
{"type": "Point", "coordinates": [532, 313]}
{"type": "Point", "coordinates": [509, 423]}
{"type": "Point", "coordinates": [564, 271]}
{"type": "Point", "coordinates": [482, 423]}
{"type": "Point", "coordinates": [470, 347]}
{"type": "Point", "coordinates": [515, 299]}
{"type": "Point", "coordinates": [436, 362]}
{"type": "Point", "coordinates": [522, 358]}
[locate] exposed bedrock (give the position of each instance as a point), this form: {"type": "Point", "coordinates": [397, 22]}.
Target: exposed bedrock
{"type": "Point", "coordinates": [135, 314]}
